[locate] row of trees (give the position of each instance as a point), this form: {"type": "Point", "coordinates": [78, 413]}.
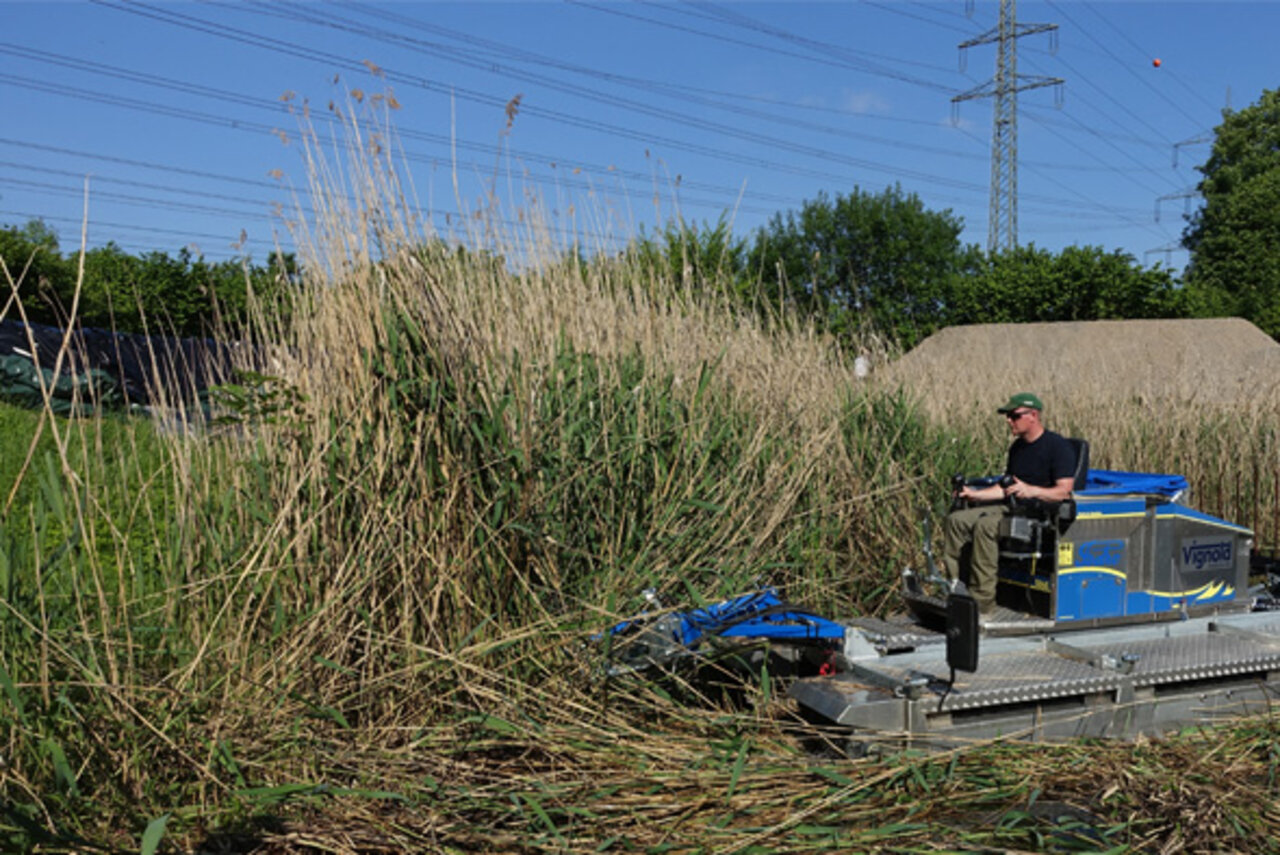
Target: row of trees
{"type": "Point", "coordinates": [864, 260]}
{"type": "Point", "coordinates": [153, 292]}
{"type": "Point", "coordinates": [883, 261]}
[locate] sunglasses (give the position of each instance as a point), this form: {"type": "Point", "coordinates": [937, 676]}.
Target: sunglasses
{"type": "Point", "coordinates": [1014, 416]}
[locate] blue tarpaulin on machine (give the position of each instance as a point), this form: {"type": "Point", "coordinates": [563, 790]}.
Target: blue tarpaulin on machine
{"type": "Point", "coordinates": [1106, 482]}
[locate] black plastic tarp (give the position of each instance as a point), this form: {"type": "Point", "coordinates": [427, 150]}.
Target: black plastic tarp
{"type": "Point", "coordinates": [104, 369]}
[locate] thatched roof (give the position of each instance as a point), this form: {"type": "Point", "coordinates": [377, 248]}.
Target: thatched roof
{"type": "Point", "coordinates": [1215, 360]}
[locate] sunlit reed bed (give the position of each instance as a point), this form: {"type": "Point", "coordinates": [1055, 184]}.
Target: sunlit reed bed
{"type": "Point", "coordinates": [354, 612]}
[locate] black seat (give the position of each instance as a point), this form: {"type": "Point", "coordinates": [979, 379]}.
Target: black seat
{"type": "Point", "coordinates": [1066, 510]}
{"type": "Point", "coordinates": [1081, 448]}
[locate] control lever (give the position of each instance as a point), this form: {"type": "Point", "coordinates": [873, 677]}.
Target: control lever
{"type": "Point", "coordinates": [931, 566]}
{"type": "Point", "coordinates": [958, 483]}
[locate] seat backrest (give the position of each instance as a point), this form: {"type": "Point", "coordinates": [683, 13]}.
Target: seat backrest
{"type": "Point", "coordinates": [1081, 448]}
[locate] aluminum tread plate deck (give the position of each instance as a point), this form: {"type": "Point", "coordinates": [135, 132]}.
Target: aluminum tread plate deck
{"type": "Point", "coordinates": [1005, 678]}
{"type": "Point", "coordinates": [1016, 677]}
{"type": "Point", "coordinates": [1002, 621]}
{"type": "Point", "coordinates": [1018, 670]}
{"type": "Point", "coordinates": [899, 634]}
{"type": "Point", "coordinates": [1213, 654]}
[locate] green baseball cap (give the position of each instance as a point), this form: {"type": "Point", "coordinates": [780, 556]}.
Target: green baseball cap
{"type": "Point", "coordinates": [1022, 399]}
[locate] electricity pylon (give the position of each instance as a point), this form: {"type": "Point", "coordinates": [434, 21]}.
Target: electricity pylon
{"type": "Point", "coordinates": [1002, 222]}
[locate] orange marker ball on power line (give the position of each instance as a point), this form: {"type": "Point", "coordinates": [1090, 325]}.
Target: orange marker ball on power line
{"type": "Point", "coordinates": [1156, 62]}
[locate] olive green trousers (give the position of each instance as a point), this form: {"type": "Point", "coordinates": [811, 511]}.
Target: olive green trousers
{"type": "Point", "coordinates": [980, 527]}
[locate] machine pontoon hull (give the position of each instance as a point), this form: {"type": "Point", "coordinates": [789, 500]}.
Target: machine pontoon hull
{"type": "Point", "coordinates": [1110, 682]}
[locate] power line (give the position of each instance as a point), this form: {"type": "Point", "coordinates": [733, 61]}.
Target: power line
{"type": "Point", "coordinates": [239, 124]}
{"type": "Point", "coordinates": [105, 179]}
{"type": "Point", "coordinates": [1024, 31]}
{"type": "Point", "coordinates": [726, 104]}
{"type": "Point", "coordinates": [144, 164]}
{"type": "Point", "coordinates": [1046, 118]}
{"type": "Point", "coordinates": [654, 95]}
{"type": "Point", "coordinates": [835, 63]}
{"type": "Point", "coordinates": [495, 101]}
{"type": "Point", "coordinates": [133, 199]}
{"type": "Point", "coordinates": [1103, 91]}
{"type": "Point", "coordinates": [772, 143]}
{"type": "Point", "coordinates": [863, 163]}
{"type": "Point", "coordinates": [1125, 65]}
{"type": "Point", "coordinates": [896, 9]}
{"type": "Point", "coordinates": [266, 105]}
{"type": "Point", "coordinates": [1144, 53]}
{"type": "Point", "coordinates": [501, 49]}
{"type": "Point", "coordinates": [97, 224]}
{"type": "Point", "coordinates": [874, 65]}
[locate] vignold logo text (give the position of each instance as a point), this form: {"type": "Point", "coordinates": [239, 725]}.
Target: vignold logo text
{"type": "Point", "coordinates": [1202, 555]}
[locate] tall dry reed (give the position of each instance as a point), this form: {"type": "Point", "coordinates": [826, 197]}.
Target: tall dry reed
{"type": "Point", "coordinates": [470, 446]}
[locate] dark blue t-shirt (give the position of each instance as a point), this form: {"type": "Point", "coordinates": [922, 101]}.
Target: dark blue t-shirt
{"type": "Point", "coordinates": [1043, 462]}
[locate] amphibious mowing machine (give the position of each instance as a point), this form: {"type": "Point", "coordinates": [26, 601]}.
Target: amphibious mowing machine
{"type": "Point", "coordinates": [1121, 611]}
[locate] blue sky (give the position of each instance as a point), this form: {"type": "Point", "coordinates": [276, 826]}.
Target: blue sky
{"type": "Point", "coordinates": [629, 112]}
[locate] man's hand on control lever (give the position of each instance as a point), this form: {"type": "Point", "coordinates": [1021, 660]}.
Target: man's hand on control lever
{"type": "Point", "coordinates": [964, 492]}
{"type": "Point", "coordinates": [1015, 489]}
